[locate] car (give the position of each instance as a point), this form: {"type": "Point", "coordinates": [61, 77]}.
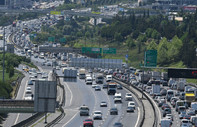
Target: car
{"type": "Point", "coordinates": [94, 85]}
{"type": "Point", "coordinates": [88, 123]}
{"type": "Point", "coordinates": [119, 87]}
{"type": "Point", "coordinates": [105, 86]}
{"type": "Point", "coordinates": [169, 116]}
{"type": "Point", "coordinates": [49, 64]}
{"type": "Point", "coordinates": [165, 106]}
{"type": "Point", "coordinates": [118, 124]}
{"type": "Point", "coordinates": [130, 109]}
{"type": "Point", "coordinates": [28, 90]}
{"type": "Point", "coordinates": [187, 117]}
{"type": "Point", "coordinates": [191, 112]}
{"type": "Point", "coordinates": [182, 115]}
{"type": "Point", "coordinates": [185, 123]}
{"type": "Point", "coordinates": [128, 97]}
{"type": "Point", "coordinates": [97, 115]}
{"type": "Point", "coordinates": [166, 111]}
{"type": "Point", "coordinates": [113, 111]}
{"type": "Point", "coordinates": [30, 82]}
{"type": "Point", "coordinates": [97, 88]}
{"type": "Point", "coordinates": [103, 104]}
{"type": "Point", "coordinates": [131, 104]}
{"type": "Point", "coordinates": [163, 92]}
{"type": "Point", "coordinates": [57, 68]}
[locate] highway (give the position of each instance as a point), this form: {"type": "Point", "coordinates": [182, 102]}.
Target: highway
{"type": "Point", "coordinates": [78, 93]}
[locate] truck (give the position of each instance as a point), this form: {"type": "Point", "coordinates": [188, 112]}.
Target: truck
{"type": "Point", "coordinates": [156, 75]}
{"type": "Point", "coordinates": [82, 73]}
{"type": "Point", "coordinates": [99, 79]}
{"type": "Point", "coordinates": [164, 76]}
{"type": "Point", "coordinates": [181, 86]}
{"type": "Point", "coordinates": [194, 106]}
{"type": "Point", "coordinates": [111, 88]}
{"type": "Point", "coordinates": [144, 78]}
{"type": "Point", "coordinates": [155, 89]}
{"type": "Point", "coordinates": [189, 98]}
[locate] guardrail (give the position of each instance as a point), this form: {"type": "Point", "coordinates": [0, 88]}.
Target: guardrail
{"type": "Point", "coordinates": [61, 116]}
{"type": "Point", "coordinates": [30, 120]}
{"type": "Point", "coordinates": [154, 109]}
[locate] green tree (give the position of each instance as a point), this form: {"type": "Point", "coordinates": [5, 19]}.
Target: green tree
{"type": "Point", "coordinates": [87, 34]}
{"type": "Point", "coordinates": [130, 42]}
{"type": "Point", "coordinates": [174, 49]}
{"type": "Point", "coordinates": [11, 71]}
{"type": "Point", "coordinates": [152, 45]}
{"type": "Point", "coordinates": [163, 52]}
{"type": "Point", "coordinates": [118, 37]}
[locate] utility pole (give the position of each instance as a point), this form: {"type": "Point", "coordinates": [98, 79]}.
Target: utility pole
{"type": "Point", "coordinates": [3, 52]}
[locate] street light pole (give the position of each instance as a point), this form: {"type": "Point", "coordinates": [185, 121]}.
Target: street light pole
{"type": "Point", "coordinates": [3, 53]}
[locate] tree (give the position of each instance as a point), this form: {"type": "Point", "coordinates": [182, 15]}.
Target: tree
{"type": "Point", "coordinates": [87, 34]}
{"type": "Point", "coordinates": [11, 71]}
{"type": "Point", "coordinates": [130, 42]}
{"type": "Point", "coordinates": [174, 49]}
{"type": "Point", "coordinates": [163, 52]}
{"type": "Point", "coordinates": [152, 45]}
{"type": "Point", "coordinates": [118, 37]}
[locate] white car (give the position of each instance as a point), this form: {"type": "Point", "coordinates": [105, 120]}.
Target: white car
{"type": "Point", "coordinates": [131, 104]}
{"type": "Point", "coordinates": [128, 97]}
{"type": "Point", "coordinates": [185, 123]}
{"type": "Point", "coordinates": [97, 115]}
{"type": "Point", "coordinates": [94, 85]}
{"type": "Point", "coordinates": [103, 104]}
{"type": "Point", "coordinates": [169, 116]}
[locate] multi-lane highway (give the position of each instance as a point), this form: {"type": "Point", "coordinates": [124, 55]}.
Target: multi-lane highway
{"type": "Point", "coordinates": [78, 93]}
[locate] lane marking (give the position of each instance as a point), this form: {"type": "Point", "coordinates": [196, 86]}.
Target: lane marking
{"type": "Point", "coordinates": [18, 114]}
{"type": "Point", "coordinates": [138, 118]}
{"type": "Point", "coordinates": [70, 119]}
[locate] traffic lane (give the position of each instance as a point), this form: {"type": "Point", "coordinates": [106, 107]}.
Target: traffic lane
{"type": "Point", "coordinates": [94, 104]}
{"type": "Point", "coordinates": [78, 94]}
{"type": "Point", "coordinates": [13, 117]}
{"type": "Point", "coordinates": [122, 114]}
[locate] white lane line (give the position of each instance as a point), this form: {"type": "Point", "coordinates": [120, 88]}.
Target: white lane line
{"type": "Point", "coordinates": [70, 119]}
{"type": "Point", "coordinates": [138, 118]}
{"type": "Point", "coordinates": [22, 99]}
{"type": "Point", "coordinates": [71, 94]}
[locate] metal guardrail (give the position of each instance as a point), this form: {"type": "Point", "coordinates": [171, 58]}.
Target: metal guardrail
{"type": "Point", "coordinates": [61, 116]}
{"type": "Point", "coordinates": [30, 120]}
{"type": "Point", "coordinates": [154, 109]}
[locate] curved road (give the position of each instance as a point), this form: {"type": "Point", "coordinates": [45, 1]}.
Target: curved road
{"type": "Point", "coordinates": [78, 93]}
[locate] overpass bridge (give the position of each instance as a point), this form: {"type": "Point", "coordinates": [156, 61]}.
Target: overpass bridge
{"type": "Point", "coordinates": [16, 106]}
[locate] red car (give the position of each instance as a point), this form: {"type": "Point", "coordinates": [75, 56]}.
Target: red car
{"type": "Point", "coordinates": [88, 123]}
{"type": "Point", "coordinates": [165, 106]}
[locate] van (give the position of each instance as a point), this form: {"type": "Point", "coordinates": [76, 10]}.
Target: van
{"type": "Point", "coordinates": [194, 106]}
{"type": "Point", "coordinates": [88, 80]}
{"type": "Point", "coordinates": [117, 98]}
{"type": "Point", "coordinates": [108, 78]}
{"type": "Point", "coordinates": [193, 120]}
{"type": "Point", "coordinates": [165, 123]}
{"type": "Point", "coordinates": [179, 103]}
{"type": "Point", "coordinates": [170, 94]}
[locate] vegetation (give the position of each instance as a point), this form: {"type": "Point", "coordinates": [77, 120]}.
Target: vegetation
{"type": "Point", "coordinates": [11, 61]}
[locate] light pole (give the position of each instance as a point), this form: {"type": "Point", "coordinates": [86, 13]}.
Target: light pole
{"type": "Point", "coordinates": [3, 52]}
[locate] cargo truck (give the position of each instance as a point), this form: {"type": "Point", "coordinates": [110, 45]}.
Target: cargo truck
{"type": "Point", "coordinates": [144, 78]}
{"type": "Point", "coordinates": [99, 79]}
{"type": "Point", "coordinates": [111, 88]}
{"type": "Point", "coordinates": [82, 73]}
{"type": "Point", "coordinates": [181, 86]}
{"type": "Point", "coordinates": [155, 89]}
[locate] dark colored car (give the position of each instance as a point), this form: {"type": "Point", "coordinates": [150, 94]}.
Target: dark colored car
{"type": "Point", "coordinates": [119, 87]}
{"type": "Point", "coordinates": [166, 111]}
{"type": "Point", "coordinates": [30, 82]}
{"type": "Point", "coordinates": [130, 109]}
{"type": "Point", "coordinates": [165, 106]}
{"type": "Point", "coordinates": [117, 124]}
{"type": "Point", "coordinates": [105, 86]}
{"type": "Point", "coordinates": [113, 111]}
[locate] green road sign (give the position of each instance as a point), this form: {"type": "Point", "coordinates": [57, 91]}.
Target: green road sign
{"type": "Point", "coordinates": [62, 39]}
{"type": "Point", "coordinates": [150, 58]}
{"type": "Point", "coordinates": [109, 50]}
{"type": "Point", "coordinates": [51, 39]}
{"type": "Point", "coordinates": [91, 50]}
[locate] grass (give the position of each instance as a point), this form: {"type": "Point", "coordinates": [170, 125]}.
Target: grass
{"type": "Point", "coordinates": [30, 65]}
{"type": "Point", "coordinates": [192, 81]}
{"type": "Point", "coordinates": [40, 120]}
